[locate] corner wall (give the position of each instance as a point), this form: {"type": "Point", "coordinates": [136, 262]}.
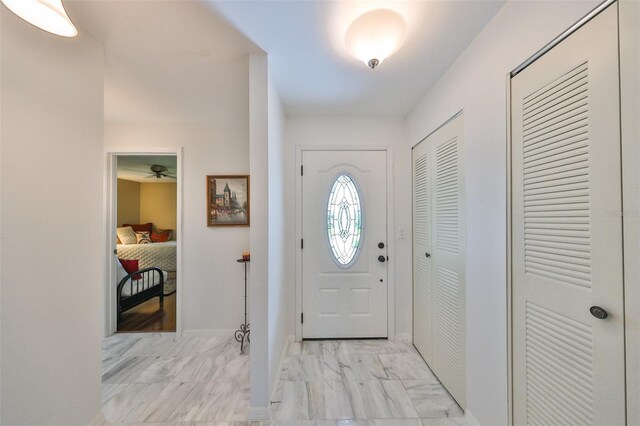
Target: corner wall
{"type": "Point", "coordinates": [158, 204]}
{"type": "Point", "coordinates": [270, 282]}
{"type": "Point", "coordinates": [259, 237]}
{"type": "Point", "coordinates": [128, 202]}
{"type": "Point", "coordinates": [476, 83]}
{"type": "Point", "coordinates": [280, 279]}
{"type": "Point", "coordinates": [52, 221]}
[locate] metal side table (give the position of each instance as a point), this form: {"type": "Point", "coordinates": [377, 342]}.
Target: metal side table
{"type": "Point", "coordinates": [244, 332]}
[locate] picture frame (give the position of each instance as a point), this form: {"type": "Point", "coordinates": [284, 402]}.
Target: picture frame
{"type": "Point", "coordinates": [228, 201]}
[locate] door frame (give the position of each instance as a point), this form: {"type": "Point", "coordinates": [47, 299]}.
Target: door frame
{"type": "Point", "coordinates": [509, 243]}
{"type": "Point", "coordinates": [391, 286]}
{"type": "Point", "coordinates": [110, 208]}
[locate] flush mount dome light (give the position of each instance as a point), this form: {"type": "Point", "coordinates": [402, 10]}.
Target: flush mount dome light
{"type": "Point", "coordinates": [48, 15]}
{"type": "Point", "coordinates": [375, 36]}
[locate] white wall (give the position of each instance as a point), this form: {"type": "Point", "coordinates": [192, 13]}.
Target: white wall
{"type": "Point", "coordinates": [270, 279]}
{"type": "Point", "coordinates": [356, 132]}
{"type": "Point", "coordinates": [259, 276]}
{"type": "Point", "coordinates": [476, 83]}
{"type": "Point", "coordinates": [51, 175]}
{"type": "Point", "coordinates": [212, 282]}
{"type": "Point", "coordinates": [280, 275]}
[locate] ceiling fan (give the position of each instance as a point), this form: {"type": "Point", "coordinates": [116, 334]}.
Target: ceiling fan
{"type": "Point", "coordinates": [158, 171]}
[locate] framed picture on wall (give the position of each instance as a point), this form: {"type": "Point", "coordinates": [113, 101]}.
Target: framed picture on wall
{"type": "Point", "coordinates": [228, 200]}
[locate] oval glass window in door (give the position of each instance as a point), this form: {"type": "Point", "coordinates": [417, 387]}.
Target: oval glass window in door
{"type": "Point", "coordinates": [344, 220]}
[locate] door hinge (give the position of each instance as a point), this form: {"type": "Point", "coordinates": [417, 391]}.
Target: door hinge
{"type": "Point", "coordinates": [301, 243]}
{"type": "Point", "coordinates": [301, 170]}
{"type": "Point", "coordinates": [301, 318]}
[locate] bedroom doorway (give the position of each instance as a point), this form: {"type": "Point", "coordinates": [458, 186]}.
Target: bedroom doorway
{"type": "Point", "coordinates": [143, 216]}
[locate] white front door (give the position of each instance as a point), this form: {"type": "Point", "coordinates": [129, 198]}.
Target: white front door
{"type": "Point", "coordinates": [568, 318]}
{"type": "Point", "coordinates": [344, 244]}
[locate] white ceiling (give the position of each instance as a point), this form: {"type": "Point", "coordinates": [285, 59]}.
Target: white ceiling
{"type": "Point", "coordinates": [136, 168]}
{"type": "Point", "coordinates": [163, 57]}
{"type": "Point", "coordinates": [315, 75]}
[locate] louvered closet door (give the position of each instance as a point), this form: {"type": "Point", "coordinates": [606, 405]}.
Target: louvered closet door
{"type": "Point", "coordinates": [422, 274]}
{"type": "Point", "coordinates": [447, 164]}
{"type": "Point", "coordinates": [568, 366]}
{"type": "Point", "coordinates": [439, 255]}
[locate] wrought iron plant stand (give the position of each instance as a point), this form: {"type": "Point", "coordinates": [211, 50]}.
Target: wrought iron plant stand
{"type": "Point", "coordinates": [244, 332]}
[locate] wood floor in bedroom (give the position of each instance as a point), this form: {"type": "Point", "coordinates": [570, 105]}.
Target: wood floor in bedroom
{"type": "Point", "coordinates": [148, 318]}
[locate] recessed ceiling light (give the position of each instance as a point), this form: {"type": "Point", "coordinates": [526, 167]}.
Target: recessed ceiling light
{"type": "Point", "coordinates": [376, 35]}
{"type": "Point", "coordinates": [48, 15]}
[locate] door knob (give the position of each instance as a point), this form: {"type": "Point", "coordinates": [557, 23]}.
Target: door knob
{"type": "Point", "coordinates": [598, 312]}
{"type": "Point", "coordinates": [427, 255]}
{"type": "Point", "coordinates": [381, 258]}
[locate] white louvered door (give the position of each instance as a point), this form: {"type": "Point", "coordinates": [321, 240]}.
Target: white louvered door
{"type": "Point", "coordinates": [568, 366]}
{"type": "Point", "coordinates": [439, 255]}
{"type": "Point", "coordinates": [447, 163]}
{"type": "Point", "coordinates": [422, 276]}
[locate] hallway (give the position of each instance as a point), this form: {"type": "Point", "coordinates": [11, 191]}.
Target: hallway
{"type": "Point", "coordinates": [157, 379]}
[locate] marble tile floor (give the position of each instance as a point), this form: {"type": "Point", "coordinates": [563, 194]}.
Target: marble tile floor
{"type": "Point", "coordinates": [158, 379]}
{"type": "Point", "coordinates": [155, 379]}
{"type": "Point", "coordinates": [360, 382]}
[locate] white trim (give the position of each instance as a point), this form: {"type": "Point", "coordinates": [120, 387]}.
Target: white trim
{"type": "Point", "coordinates": [404, 337]}
{"type": "Point", "coordinates": [285, 351]}
{"type": "Point", "coordinates": [258, 414]}
{"type": "Point", "coordinates": [629, 44]}
{"type": "Point", "coordinates": [391, 275]}
{"type": "Point", "coordinates": [110, 207]}
{"type": "Point", "coordinates": [212, 332]}
{"type": "Point", "coordinates": [98, 420]}
{"type": "Point", "coordinates": [508, 260]}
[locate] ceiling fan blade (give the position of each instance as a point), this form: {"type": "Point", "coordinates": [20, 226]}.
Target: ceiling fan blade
{"type": "Point", "coordinates": [136, 171]}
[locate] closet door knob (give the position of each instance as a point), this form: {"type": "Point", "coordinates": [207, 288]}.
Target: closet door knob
{"type": "Point", "coordinates": [381, 259]}
{"type": "Point", "coordinates": [598, 312]}
{"type": "Point", "coordinates": [427, 255]}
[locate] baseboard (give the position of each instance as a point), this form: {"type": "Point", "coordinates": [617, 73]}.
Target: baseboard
{"type": "Point", "coordinates": [98, 420]}
{"type": "Point", "coordinates": [213, 332]}
{"type": "Point", "coordinates": [403, 337]}
{"type": "Point", "coordinates": [470, 420]}
{"type": "Point", "coordinates": [290, 339]}
{"type": "Point", "coordinates": [259, 413]}
{"type": "Point", "coordinates": [155, 334]}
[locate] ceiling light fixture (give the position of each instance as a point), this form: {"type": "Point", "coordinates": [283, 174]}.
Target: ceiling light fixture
{"type": "Point", "coordinates": [376, 35]}
{"type": "Point", "coordinates": [48, 15]}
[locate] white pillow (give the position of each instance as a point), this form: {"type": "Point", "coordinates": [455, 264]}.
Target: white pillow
{"type": "Point", "coordinates": [120, 272]}
{"type": "Point", "coordinates": [126, 235]}
{"type": "Point", "coordinates": [143, 237]}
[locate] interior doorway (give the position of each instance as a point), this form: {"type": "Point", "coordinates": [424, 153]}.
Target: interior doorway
{"type": "Point", "coordinates": [143, 257]}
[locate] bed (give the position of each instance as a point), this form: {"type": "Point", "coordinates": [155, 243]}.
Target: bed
{"type": "Point", "coordinates": [158, 255]}
{"type": "Point", "coordinates": [156, 263]}
{"type": "Point", "coordinates": [138, 287]}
